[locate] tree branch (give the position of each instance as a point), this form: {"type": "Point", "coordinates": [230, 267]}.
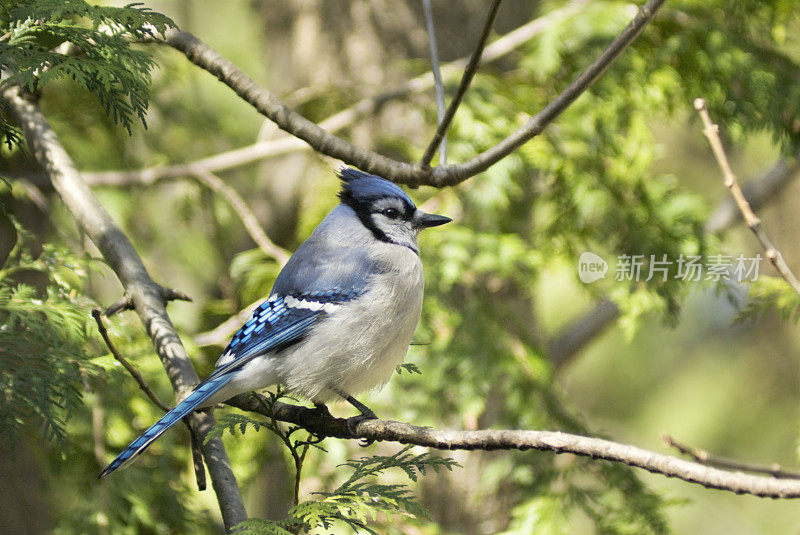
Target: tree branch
{"type": "Point", "coordinates": [703, 457]}
{"type": "Point", "coordinates": [581, 335]}
{"type": "Point", "coordinates": [246, 215]}
{"type": "Point", "coordinates": [575, 336]}
{"type": "Point", "coordinates": [271, 107]}
{"type": "Point", "coordinates": [711, 131]}
{"type": "Point", "coordinates": [336, 122]}
{"type": "Point", "coordinates": [146, 295]}
{"type": "Point", "coordinates": [126, 302]}
{"type": "Point", "coordinates": [453, 174]}
{"type": "Point", "coordinates": [555, 441]}
{"type": "Point", "coordinates": [413, 175]}
{"type": "Point", "coordinates": [466, 80]}
{"type": "Point", "coordinates": [199, 469]}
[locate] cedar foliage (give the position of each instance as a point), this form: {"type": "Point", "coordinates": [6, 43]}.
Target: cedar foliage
{"type": "Point", "coordinates": [496, 281]}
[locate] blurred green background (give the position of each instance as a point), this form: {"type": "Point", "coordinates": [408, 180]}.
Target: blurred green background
{"type": "Point", "coordinates": [625, 170]}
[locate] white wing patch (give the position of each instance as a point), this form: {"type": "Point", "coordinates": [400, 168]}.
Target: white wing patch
{"type": "Point", "coordinates": [293, 302]}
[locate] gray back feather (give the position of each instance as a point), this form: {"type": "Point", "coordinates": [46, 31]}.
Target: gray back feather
{"type": "Point", "coordinates": [334, 258]}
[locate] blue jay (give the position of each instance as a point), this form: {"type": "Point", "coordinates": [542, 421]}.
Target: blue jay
{"type": "Point", "coordinates": [340, 316]}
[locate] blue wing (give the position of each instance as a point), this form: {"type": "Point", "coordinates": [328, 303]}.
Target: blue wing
{"type": "Point", "coordinates": [272, 327]}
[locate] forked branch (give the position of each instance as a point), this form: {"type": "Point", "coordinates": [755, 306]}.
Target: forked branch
{"type": "Point", "coordinates": [326, 143]}
{"type": "Point", "coordinates": [338, 121]}
{"type": "Point", "coordinates": [466, 80]}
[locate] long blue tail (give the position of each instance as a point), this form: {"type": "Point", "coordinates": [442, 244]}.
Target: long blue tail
{"type": "Point", "coordinates": [201, 393]}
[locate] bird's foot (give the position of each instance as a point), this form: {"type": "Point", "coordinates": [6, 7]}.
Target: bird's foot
{"type": "Point", "coordinates": [354, 421]}
{"type": "Point", "coordinates": [366, 414]}
{"type": "Point", "coordinates": [321, 410]}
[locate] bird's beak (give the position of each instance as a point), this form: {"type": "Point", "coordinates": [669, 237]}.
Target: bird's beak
{"type": "Point", "coordinates": [423, 220]}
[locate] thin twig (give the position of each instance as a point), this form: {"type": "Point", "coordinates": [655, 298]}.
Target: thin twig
{"type": "Point", "coordinates": [168, 294]}
{"type": "Point", "coordinates": [466, 80]}
{"type": "Point", "coordinates": [123, 303]}
{"type": "Point", "coordinates": [450, 175]}
{"type": "Point", "coordinates": [437, 77]}
{"type": "Point", "coordinates": [757, 192]}
{"type": "Point", "coordinates": [244, 212]}
{"type": "Point", "coordinates": [127, 303]}
{"type": "Point", "coordinates": [97, 315]}
{"type": "Point", "coordinates": [711, 131]}
{"type": "Point", "coordinates": [703, 457]}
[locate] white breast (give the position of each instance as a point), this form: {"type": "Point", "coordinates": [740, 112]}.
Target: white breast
{"type": "Point", "coordinates": [359, 345]}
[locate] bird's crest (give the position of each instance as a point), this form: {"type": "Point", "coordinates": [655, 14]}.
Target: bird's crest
{"type": "Point", "coordinates": [359, 187]}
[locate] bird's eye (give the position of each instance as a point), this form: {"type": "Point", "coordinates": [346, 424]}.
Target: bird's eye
{"type": "Point", "coordinates": [391, 213]}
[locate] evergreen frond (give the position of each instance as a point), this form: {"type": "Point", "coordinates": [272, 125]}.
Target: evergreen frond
{"type": "Point", "coordinates": [105, 62]}
{"type": "Point", "coordinates": [44, 360]}
{"type": "Point", "coordinates": [233, 423]}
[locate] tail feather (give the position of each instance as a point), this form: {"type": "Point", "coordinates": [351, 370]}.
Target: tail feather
{"type": "Point", "coordinates": [201, 393]}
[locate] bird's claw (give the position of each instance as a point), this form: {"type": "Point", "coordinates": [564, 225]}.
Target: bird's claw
{"type": "Point", "coordinates": [352, 426]}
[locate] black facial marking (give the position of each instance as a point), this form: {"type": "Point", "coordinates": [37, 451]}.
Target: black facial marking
{"type": "Point", "coordinates": [366, 208]}
{"type": "Point", "coordinates": [365, 216]}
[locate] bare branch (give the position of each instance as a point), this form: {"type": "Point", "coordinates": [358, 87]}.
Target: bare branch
{"type": "Point", "coordinates": [126, 302]}
{"type": "Point", "coordinates": [437, 76]}
{"type": "Point", "coordinates": [218, 162]}
{"type": "Point", "coordinates": [450, 175]}
{"type": "Point", "coordinates": [197, 458]}
{"type": "Point", "coordinates": [97, 315]}
{"type": "Point", "coordinates": [336, 122]}
{"type": "Point", "coordinates": [246, 215]}
{"type": "Point", "coordinates": [555, 441]}
{"type": "Point", "coordinates": [270, 106]}
{"type": "Point", "coordinates": [703, 457]}
{"type": "Point", "coordinates": [711, 131]}
{"type": "Point", "coordinates": [146, 295]}
{"type": "Point", "coordinates": [466, 80]}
